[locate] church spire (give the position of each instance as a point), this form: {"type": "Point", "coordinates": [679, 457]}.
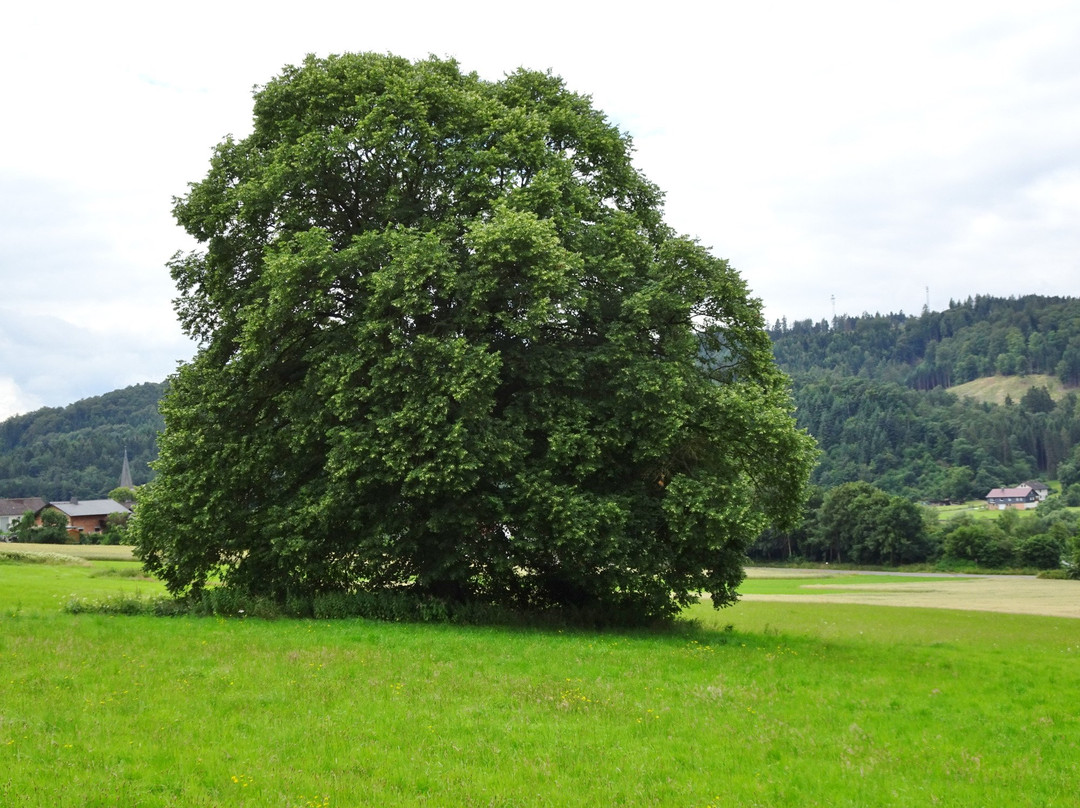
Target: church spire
{"type": "Point", "coordinates": [125, 473]}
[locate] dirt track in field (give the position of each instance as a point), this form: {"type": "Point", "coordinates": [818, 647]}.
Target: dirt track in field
{"type": "Point", "coordinates": [993, 593]}
{"type": "Point", "coordinates": [91, 552]}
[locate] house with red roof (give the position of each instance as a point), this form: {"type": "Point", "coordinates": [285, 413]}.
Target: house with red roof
{"type": "Point", "coordinates": [1020, 498]}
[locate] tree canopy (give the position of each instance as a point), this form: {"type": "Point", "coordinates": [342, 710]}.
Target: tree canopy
{"type": "Point", "coordinates": [449, 346]}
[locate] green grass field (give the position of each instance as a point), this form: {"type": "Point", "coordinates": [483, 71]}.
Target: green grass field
{"type": "Point", "coordinates": [977, 509]}
{"type": "Point", "coordinates": [796, 704]}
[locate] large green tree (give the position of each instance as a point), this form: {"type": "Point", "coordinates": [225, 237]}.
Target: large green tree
{"type": "Point", "coordinates": [858, 522]}
{"type": "Point", "coordinates": [449, 345]}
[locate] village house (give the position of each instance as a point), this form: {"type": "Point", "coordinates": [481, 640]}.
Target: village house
{"type": "Point", "coordinates": [12, 509]}
{"type": "Point", "coordinates": [88, 516]}
{"type": "Point", "coordinates": [1021, 498]}
{"type": "Point", "coordinates": [1041, 489]}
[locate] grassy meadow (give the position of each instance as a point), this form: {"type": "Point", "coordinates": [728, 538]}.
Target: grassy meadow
{"type": "Point", "coordinates": [996, 389]}
{"type": "Point", "coordinates": [775, 703]}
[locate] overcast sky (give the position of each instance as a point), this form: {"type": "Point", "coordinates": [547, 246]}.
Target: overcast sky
{"type": "Point", "coordinates": [861, 151]}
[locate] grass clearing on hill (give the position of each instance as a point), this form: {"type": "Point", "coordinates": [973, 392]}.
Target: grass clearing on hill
{"type": "Point", "coordinates": [986, 514]}
{"type": "Point", "coordinates": [790, 703]}
{"type": "Point", "coordinates": [977, 510]}
{"type": "Point", "coordinates": [995, 389]}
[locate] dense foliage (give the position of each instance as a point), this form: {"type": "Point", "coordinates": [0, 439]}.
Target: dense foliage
{"type": "Point", "coordinates": [77, 451]}
{"type": "Point", "coordinates": [873, 391]}
{"type": "Point", "coordinates": [450, 347]}
{"type": "Point", "coordinates": [861, 523]}
{"type": "Point", "coordinates": [52, 530]}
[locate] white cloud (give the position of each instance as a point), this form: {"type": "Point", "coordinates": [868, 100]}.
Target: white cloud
{"type": "Point", "coordinates": [849, 149]}
{"type": "Point", "coordinates": [14, 401]}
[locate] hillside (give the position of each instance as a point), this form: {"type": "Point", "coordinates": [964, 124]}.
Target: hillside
{"type": "Point", "coordinates": [946, 405]}
{"type": "Point", "coordinates": [78, 450]}
{"type": "Point", "coordinates": [979, 337]}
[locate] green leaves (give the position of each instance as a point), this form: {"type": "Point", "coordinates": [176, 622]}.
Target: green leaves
{"type": "Point", "coordinates": [450, 347]}
{"type": "Point", "coordinates": [861, 523]}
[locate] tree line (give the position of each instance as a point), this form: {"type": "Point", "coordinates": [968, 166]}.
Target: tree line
{"type": "Point", "coordinates": [856, 387]}
{"type": "Point", "coordinates": [871, 425]}
{"type": "Point", "coordinates": [979, 337]}
{"type": "Point", "coordinates": [874, 392]}
{"type": "Point", "coordinates": [858, 523]}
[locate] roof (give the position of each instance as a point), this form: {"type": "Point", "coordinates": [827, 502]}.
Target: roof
{"type": "Point", "coordinates": [90, 507]}
{"type": "Point", "coordinates": [1011, 493]}
{"type": "Point", "coordinates": [20, 505]}
{"type": "Point", "coordinates": [1036, 484]}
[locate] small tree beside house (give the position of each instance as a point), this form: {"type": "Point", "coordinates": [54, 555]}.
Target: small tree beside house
{"type": "Point", "coordinates": [50, 527]}
{"type": "Point", "coordinates": [12, 510]}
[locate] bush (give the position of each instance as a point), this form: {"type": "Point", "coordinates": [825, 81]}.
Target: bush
{"type": "Point", "coordinates": [1042, 550]}
{"type": "Point", "coordinates": [1074, 556]}
{"type": "Point", "coordinates": [982, 542]}
{"type": "Point", "coordinates": [126, 605]}
{"type": "Point", "coordinates": [1057, 575]}
{"type": "Point", "coordinates": [381, 605]}
{"type": "Point", "coordinates": [116, 529]}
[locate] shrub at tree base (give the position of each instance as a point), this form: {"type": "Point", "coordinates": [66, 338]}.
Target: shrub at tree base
{"type": "Point", "coordinates": [449, 348]}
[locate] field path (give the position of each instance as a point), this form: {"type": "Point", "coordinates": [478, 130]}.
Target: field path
{"type": "Point", "coordinates": [1015, 594]}
{"type": "Point", "coordinates": [90, 552]}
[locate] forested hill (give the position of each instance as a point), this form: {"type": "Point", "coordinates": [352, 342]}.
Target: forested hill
{"type": "Point", "coordinates": [78, 450]}
{"type": "Point", "coordinates": [874, 391]}
{"type": "Point", "coordinates": [979, 337]}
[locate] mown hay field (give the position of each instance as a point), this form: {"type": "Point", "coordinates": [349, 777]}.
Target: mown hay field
{"type": "Point", "coordinates": [1015, 594]}
{"type": "Point", "coordinates": [91, 552]}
